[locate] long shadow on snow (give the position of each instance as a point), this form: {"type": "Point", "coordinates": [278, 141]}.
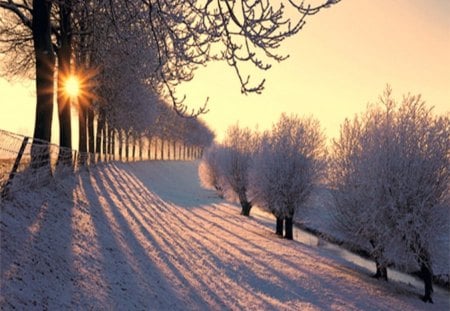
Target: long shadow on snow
{"type": "Point", "coordinates": [325, 282]}
{"type": "Point", "coordinates": [165, 218]}
{"type": "Point", "coordinates": [133, 267]}
{"type": "Point", "coordinates": [181, 189]}
{"type": "Point", "coordinates": [243, 272]}
{"type": "Point", "coordinates": [127, 197]}
{"type": "Point", "coordinates": [285, 285]}
{"type": "Point", "coordinates": [238, 269]}
{"type": "Point", "coordinates": [184, 253]}
{"type": "Point", "coordinates": [285, 288]}
{"type": "Point", "coordinates": [41, 278]}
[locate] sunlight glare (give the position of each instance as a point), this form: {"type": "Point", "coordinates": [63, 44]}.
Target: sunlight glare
{"type": "Point", "coordinates": [72, 86]}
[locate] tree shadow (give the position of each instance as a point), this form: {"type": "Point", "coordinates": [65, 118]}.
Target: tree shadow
{"type": "Point", "coordinates": [129, 272]}
{"type": "Point", "coordinates": [175, 182]}
{"type": "Point", "coordinates": [122, 246]}
{"type": "Point", "coordinates": [36, 254]}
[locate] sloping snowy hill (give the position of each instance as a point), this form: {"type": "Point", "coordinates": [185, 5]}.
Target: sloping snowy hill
{"type": "Point", "coordinates": [146, 236]}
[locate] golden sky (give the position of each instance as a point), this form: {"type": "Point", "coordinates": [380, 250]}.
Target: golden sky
{"type": "Point", "coordinates": [339, 62]}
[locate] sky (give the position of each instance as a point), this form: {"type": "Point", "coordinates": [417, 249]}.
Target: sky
{"type": "Point", "coordinates": [341, 61]}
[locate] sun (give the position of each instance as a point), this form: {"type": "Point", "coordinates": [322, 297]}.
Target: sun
{"type": "Point", "coordinates": [72, 86]}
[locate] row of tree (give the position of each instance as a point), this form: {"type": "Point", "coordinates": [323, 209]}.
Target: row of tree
{"type": "Point", "coordinates": [275, 170]}
{"type": "Point", "coordinates": [175, 139]}
{"type": "Point", "coordinates": [132, 54]}
{"type": "Point", "coordinates": [388, 172]}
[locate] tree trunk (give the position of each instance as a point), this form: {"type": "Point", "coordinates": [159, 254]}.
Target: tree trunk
{"type": "Point", "coordinates": [427, 277]}
{"type": "Point", "coordinates": [104, 142]}
{"type": "Point", "coordinates": [113, 143]}
{"type": "Point", "coordinates": [279, 228]}
{"type": "Point", "coordinates": [82, 142]}
{"type": "Point", "coordinates": [100, 129]}
{"type": "Point", "coordinates": [289, 234]}
{"type": "Point", "coordinates": [64, 54]}
{"type": "Point", "coordinates": [127, 147]}
{"type": "Point", "coordinates": [45, 67]}
{"type": "Point", "coordinates": [246, 207]}
{"type": "Point", "coordinates": [168, 149]}
{"type": "Point", "coordinates": [381, 272]}
{"type": "Point", "coordinates": [110, 134]}
{"type": "Point", "coordinates": [120, 144]}
{"type": "Point", "coordinates": [91, 138]}
{"type": "Point", "coordinates": [162, 149]}
{"type": "Point", "coordinates": [174, 150]}
{"type": "Point", "coordinates": [149, 147]}
{"type": "Point", "coordinates": [134, 148]}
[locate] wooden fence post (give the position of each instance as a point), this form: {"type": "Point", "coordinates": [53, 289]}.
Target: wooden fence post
{"type": "Point", "coordinates": [5, 190]}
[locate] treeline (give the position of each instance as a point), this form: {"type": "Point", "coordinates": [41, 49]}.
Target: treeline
{"type": "Point", "coordinates": [162, 135]}
{"type": "Point", "coordinates": [132, 52]}
{"type": "Point", "coordinates": [126, 83]}
{"type": "Point", "coordinates": [388, 172]}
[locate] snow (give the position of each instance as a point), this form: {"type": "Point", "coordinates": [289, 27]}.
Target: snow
{"type": "Point", "coordinates": [146, 236]}
{"type": "Point", "coordinates": [317, 216]}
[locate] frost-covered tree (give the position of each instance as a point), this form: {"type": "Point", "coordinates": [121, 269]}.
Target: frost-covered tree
{"type": "Point", "coordinates": [197, 134]}
{"type": "Point", "coordinates": [235, 162]}
{"type": "Point", "coordinates": [392, 189]}
{"type": "Point", "coordinates": [346, 171]}
{"type": "Point", "coordinates": [290, 162]}
{"type": "Point", "coordinates": [210, 171]}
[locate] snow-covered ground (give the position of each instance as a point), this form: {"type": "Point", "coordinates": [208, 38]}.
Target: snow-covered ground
{"type": "Point", "coordinates": [146, 236]}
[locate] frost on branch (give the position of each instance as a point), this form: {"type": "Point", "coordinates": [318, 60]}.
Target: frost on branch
{"type": "Point", "coordinates": [190, 33]}
{"type": "Point", "coordinates": [209, 170]}
{"type": "Point", "coordinates": [390, 172]}
{"type": "Point", "coordinates": [236, 158]}
{"type": "Point", "coordinates": [289, 163]}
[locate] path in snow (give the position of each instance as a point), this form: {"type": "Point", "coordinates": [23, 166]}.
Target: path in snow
{"type": "Point", "coordinates": [145, 236]}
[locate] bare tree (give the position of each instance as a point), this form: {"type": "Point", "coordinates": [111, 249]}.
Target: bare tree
{"type": "Point", "coordinates": [35, 17]}
{"type": "Point", "coordinates": [232, 31]}
{"type": "Point", "coordinates": [28, 22]}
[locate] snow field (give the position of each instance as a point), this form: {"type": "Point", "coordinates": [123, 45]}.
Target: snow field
{"type": "Point", "coordinates": [146, 236]}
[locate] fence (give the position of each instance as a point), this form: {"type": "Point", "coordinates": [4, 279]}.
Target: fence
{"type": "Point", "coordinates": [27, 163]}
{"type": "Point", "coordinates": [30, 163]}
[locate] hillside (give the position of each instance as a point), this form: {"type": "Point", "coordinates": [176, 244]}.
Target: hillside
{"type": "Point", "coordinates": [146, 236]}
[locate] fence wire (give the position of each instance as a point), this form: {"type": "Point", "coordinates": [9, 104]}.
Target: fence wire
{"type": "Point", "coordinates": [30, 163]}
